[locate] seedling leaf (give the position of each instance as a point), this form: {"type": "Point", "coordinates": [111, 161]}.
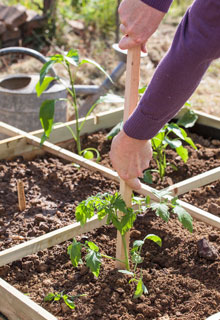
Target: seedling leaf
{"type": "Point", "coordinates": [49, 297]}
{"type": "Point", "coordinates": [74, 251]}
{"type": "Point", "coordinates": [44, 70]}
{"type": "Point", "coordinates": [175, 143]}
{"type": "Point", "coordinates": [92, 246]}
{"type": "Point", "coordinates": [136, 258]}
{"type": "Point", "coordinates": [69, 302]}
{"type": "Point", "coordinates": [40, 88]}
{"type": "Point", "coordinates": [147, 177]}
{"type": "Point", "coordinates": [139, 289]}
{"type": "Point", "coordinates": [154, 238]}
{"type": "Point", "coordinates": [114, 131]}
{"type": "Point", "coordinates": [188, 119]}
{"type": "Point", "coordinates": [93, 261]}
{"type": "Point", "coordinates": [161, 210]}
{"type": "Point", "coordinates": [129, 273]}
{"type": "Point", "coordinates": [138, 243]}
{"type": "Point", "coordinates": [46, 116]}
{"type": "Point", "coordinates": [183, 153]}
{"type": "Point", "coordinates": [184, 217]}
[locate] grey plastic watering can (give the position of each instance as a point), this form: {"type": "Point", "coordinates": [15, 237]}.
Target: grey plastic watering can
{"type": "Point", "coordinates": [19, 104]}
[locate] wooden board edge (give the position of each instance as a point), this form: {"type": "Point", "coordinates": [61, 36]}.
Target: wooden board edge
{"type": "Point", "coordinates": [48, 240]}
{"type": "Point", "coordinates": [197, 181]}
{"type": "Point", "coordinates": [17, 306]}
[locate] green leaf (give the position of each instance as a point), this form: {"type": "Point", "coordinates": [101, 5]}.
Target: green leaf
{"type": "Point", "coordinates": [96, 65]}
{"type": "Point", "coordinates": [157, 140]}
{"type": "Point", "coordinates": [74, 251]}
{"type": "Point", "coordinates": [183, 153]}
{"type": "Point", "coordinates": [129, 273]}
{"type": "Point", "coordinates": [142, 90]}
{"type": "Point", "coordinates": [184, 217]}
{"type": "Point", "coordinates": [154, 238]}
{"type": "Point", "coordinates": [40, 88]}
{"type": "Point", "coordinates": [138, 243]}
{"type": "Point", "coordinates": [188, 119]}
{"type": "Point", "coordinates": [127, 221]}
{"type": "Point", "coordinates": [88, 154]}
{"type": "Point", "coordinates": [190, 142]}
{"type": "Point", "coordinates": [49, 297]}
{"type": "Point", "coordinates": [58, 296]}
{"type": "Point", "coordinates": [139, 289]}
{"type": "Point", "coordinates": [147, 177]}
{"type": "Point", "coordinates": [147, 200]}
{"type": "Point", "coordinates": [175, 143]}
{"type": "Point", "coordinates": [93, 261]}
{"type": "Point", "coordinates": [115, 131]}
{"type": "Point", "coordinates": [46, 116]}
{"type": "Point", "coordinates": [85, 210]}
{"type": "Point", "coordinates": [92, 246]}
{"type": "Point", "coordinates": [72, 57]}
{"type": "Point", "coordinates": [69, 302]}
{"type": "Point", "coordinates": [44, 70]}
{"type": "Point", "coordinates": [161, 210]}
{"type": "Point", "coordinates": [119, 204]}
{"type": "Point", "coordinates": [136, 258]}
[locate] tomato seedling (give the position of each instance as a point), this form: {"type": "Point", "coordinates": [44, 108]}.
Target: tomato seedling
{"type": "Point", "coordinates": [46, 114]}
{"type": "Point", "coordinates": [107, 205]}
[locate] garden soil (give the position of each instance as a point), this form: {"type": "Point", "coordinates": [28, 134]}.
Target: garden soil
{"type": "Point", "coordinates": [182, 282]}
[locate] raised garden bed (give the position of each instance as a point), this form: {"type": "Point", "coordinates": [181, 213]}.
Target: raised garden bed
{"type": "Point", "coordinates": [177, 262]}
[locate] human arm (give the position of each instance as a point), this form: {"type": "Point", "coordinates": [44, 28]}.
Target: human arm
{"type": "Point", "coordinates": [195, 45]}
{"type": "Point", "coordinates": [139, 20]}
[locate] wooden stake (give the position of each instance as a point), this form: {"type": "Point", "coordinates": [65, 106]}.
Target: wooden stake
{"type": "Point", "coordinates": [21, 195]}
{"type": "Point", "coordinates": [131, 100]}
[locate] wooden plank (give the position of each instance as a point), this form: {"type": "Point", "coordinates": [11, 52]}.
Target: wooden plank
{"type": "Point", "coordinates": [12, 147]}
{"type": "Point", "coordinates": [17, 306]}
{"type": "Point", "coordinates": [194, 182]}
{"type": "Point", "coordinates": [131, 100]}
{"type": "Point", "coordinates": [48, 240]}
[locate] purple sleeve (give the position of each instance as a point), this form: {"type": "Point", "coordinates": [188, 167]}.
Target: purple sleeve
{"type": "Point", "coordinates": [195, 45]}
{"type": "Point", "coordinates": [161, 5]}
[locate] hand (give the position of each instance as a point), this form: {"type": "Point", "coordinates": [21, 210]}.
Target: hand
{"type": "Point", "coordinates": [138, 22]}
{"type": "Point", "coordinates": [130, 157]}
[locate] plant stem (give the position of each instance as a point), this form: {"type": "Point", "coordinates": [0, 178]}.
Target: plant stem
{"type": "Point", "coordinates": [109, 257]}
{"type": "Point", "coordinates": [78, 144]}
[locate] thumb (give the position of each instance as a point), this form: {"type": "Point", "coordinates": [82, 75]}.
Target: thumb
{"type": "Point", "coordinates": [134, 183]}
{"type": "Point", "coordinates": [144, 48]}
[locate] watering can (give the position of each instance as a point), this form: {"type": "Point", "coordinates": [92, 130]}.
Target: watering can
{"type": "Point", "coordinates": [19, 104]}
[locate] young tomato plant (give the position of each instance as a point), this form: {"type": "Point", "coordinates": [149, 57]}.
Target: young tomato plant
{"type": "Point", "coordinates": [68, 299]}
{"type": "Point", "coordinates": [108, 205]}
{"type": "Point", "coordinates": [162, 140]}
{"type": "Point", "coordinates": [46, 114]}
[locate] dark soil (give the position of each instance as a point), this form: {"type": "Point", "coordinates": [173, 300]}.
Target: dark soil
{"type": "Point", "coordinates": [181, 284]}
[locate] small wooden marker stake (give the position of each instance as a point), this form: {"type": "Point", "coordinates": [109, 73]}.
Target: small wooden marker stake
{"type": "Point", "coordinates": [131, 100]}
{"type": "Point", "coordinates": [21, 195]}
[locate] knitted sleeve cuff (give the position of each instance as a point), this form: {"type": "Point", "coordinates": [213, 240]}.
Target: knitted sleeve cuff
{"type": "Point", "coordinates": [143, 127]}
{"type": "Point", "coordinates": [161, 5]}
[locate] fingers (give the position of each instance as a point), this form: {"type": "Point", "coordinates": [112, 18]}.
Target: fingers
{"type": "Point", "coordinates": [134, 184]}
{"type": "Point", "coordinates": [127, 43]}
